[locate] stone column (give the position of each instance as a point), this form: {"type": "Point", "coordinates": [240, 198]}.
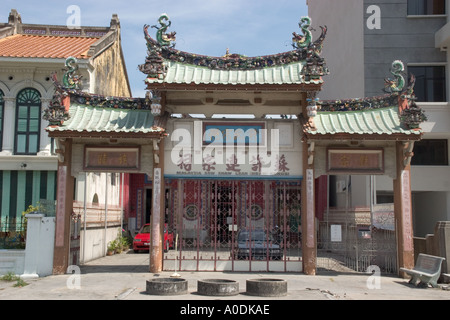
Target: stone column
{"type": "Point", "coordinates": [403, 209]}
{"type": "Point", "coordinates": [309, 238]}
{"type": "Point", "coordinates": [158, 211]}
{"type": "Point", "coordinates": [65, 185]}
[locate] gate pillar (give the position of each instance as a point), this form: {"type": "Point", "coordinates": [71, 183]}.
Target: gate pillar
{"type": "Point", "coordinates": [403, 206]}
{"type": "Point", "coordinates": [158, 210]}
{"type": "Point", "coordinates": [309, 239]}
{"type": "Point", "coordinates": [64, 197]}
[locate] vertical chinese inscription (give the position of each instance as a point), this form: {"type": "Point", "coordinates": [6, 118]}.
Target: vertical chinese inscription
{"type": "Point", "coordinates": [139, 208]}
{"type": "Point", "coordinates": [156, 216]}
{"type": "Point", "coordinates": [406, 206]}
{"type": "Point", "coordinates": [61, 206]}
{"type": "Point", "coordinates": [310, 208]}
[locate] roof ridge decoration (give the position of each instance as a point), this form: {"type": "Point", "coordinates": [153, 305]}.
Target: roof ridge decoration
{"type": "Point", "coordinates": [397, 95]}
{"type": "Point", "coordinates": [304, 41]}
{"type": "Point", "coordinates": [163, 48]}
{"type": "Point", "coordinates": [164, 39]}
{"type": "Point", "coordinates": [71, 79]}
{"type": "Point", "coordinates": [397, 84]}
{"type": "Point", "coordinates": [57, 112]}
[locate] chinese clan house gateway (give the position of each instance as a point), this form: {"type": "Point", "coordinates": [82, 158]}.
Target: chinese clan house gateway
{"type": "Point", "coordinates": [227, 153]}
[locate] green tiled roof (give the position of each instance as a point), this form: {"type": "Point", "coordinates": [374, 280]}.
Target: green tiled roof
{"type": "Point", "coordinates": [84, 118]}
{"type": "Point", "coordinates": [179, 73]}
{"type": "Point", "coordinates": [384, 121]}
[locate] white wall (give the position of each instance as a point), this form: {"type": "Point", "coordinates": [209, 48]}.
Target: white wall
{"type": "Point", "coordinates": [343, 48]}
{"type": "Point", "coordinates": [97, 240]}
{"type": "Point", "coordinates": [99, 183]}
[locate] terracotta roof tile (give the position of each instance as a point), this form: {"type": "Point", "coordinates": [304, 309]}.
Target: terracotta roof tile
{"type": "Point", "coordinates": [32, 46]}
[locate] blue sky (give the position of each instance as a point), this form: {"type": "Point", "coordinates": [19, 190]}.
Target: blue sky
{"type": "Point", "coordinates": [248, 27]}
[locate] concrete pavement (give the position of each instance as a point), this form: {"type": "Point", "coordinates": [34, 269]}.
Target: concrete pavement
{"type": "Point", "coordinates": [124, 276]}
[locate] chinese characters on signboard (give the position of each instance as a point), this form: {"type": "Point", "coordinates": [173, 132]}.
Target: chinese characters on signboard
{"type": "Point", "coordinates": [124, 159]}
{"type": "Point", "coordinates": [362, 161]}
{"type": "Point", "coordinates": [231, 167]}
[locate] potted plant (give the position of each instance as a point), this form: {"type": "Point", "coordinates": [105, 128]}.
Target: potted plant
{"type": "Point", "coordinates": [118, 246]}
{"type": "Point", "coordinates": [125, 243]}
{"type": "Point", "coordinates": [111, 248]}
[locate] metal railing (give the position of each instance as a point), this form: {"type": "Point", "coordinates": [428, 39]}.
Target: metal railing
{"type": "Point", "coordinates": [12, 233]}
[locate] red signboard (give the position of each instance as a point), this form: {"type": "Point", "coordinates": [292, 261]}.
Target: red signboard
{"type": "Point", "coordinates": [123, 159]}
{"type": "Point", "coordinates": [356, 161]}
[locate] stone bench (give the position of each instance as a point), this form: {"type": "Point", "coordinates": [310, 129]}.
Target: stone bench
{"type": "Point", "coordinates": [427, 270]}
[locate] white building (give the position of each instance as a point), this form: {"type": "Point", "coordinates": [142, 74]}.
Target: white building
{"type": "Point", "coordinates": [29, 55]}
{"type": "Point", "coordinates": [364, 38]}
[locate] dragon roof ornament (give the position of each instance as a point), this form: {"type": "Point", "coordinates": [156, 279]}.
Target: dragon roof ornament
{"type": "Point", "coordinates": [397, 93]}
{"type": "Point", "coordinates": [71, 78]}
{"type": "Point", "coordinates": [397, 84]}
{"type": "Point", "coordinates": [163, 48]}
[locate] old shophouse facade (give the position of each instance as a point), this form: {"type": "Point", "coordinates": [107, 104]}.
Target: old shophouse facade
{"type": "Point", "coordinates": [31, 55]}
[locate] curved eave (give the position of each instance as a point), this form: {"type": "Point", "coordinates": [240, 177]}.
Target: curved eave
{"type": "Point", "coordinates": [372, 124]}
{"type": "Point", "coordinates": [365, 136]}
{"type": "Point", "coordinates": [89, 121]}
{"type": "Point", "coordinates": [104, 134]}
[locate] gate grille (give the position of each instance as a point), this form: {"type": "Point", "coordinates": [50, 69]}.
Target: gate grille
{"type": "Point", "coordinates": [359, 247]}
{"type": "Point", "coordinates": [236, 225]}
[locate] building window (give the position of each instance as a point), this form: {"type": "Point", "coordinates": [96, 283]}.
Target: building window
{"type": "Point", "coordinates": [426, 7]}
{"type": "Point", "coordinates": [430, 152]}
{"type": "Point", "coordinates": [28, 111]}
{"type": "Point", "coordinates": [2, 112]}
{"type": "Point", "coordinates": [430, 83]}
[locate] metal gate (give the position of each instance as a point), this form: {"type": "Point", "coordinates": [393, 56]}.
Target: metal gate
{"type": "Point", "coordinates": [348, 247]}
{"type": "Point", "coordinates": [234, 225]}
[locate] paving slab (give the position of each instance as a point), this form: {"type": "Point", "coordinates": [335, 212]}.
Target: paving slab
{"type": "Point", "coordinates": [124, 276]}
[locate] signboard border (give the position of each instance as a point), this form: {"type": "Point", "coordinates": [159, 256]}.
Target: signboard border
{"type": "Point", "coordinates": [378, 151]}
{"type": "Point", "coordinates": [88, 148]}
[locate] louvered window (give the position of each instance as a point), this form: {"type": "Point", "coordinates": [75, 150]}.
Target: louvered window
{"type": "Point", "coordinates": [28, 116]}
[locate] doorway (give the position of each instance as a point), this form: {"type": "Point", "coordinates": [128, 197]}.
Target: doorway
{"type": "Point", "coordinates": [235, 225]}
{"type": "Point", "coordinates": [355, 237]}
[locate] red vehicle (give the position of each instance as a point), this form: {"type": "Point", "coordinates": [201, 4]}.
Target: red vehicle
{"type": "Point", "coordinates": [142, 240]}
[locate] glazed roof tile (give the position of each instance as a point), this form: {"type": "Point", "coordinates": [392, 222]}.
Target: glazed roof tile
{"type": "Point", "coordinates": [90, 119]}
{"type": "Point", "coordinates": [179, 73]}
{"type": "Point", "coordinates": [39, 46]}
{"type": "Point", "coordinates": [375, 122]}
